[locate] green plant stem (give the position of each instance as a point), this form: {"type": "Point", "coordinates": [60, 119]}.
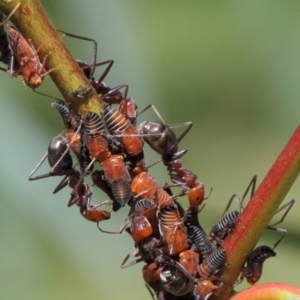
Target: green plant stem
{"type": "Point", "coordinates": [32, 22]}
{"type": "Point", "coordinates": [259, 212]}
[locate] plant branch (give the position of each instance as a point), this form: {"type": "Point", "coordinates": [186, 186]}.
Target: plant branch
{"type": "Point", "coordinates": [33, 23]}
{"type": "Point", "coordinates": [259, 212]}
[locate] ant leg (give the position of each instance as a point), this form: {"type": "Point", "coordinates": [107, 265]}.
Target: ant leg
{"type": "Point", "coordinates": [72, 200]}
{"type": "Point", "coordinates": [111, 92]}
{"type": "Point", "coordinates": [36, 168]}
{"type": "Point", "coordinates": [237, 199]}
{"type": "Point", "coordinates": [156, 111]}
{"type": "Point", "coordinates": [62, 184]}
{"type": "Point", "coordinates": [134, 251]}
{"type": "Point", "coordinates": [124, 225]}
{"type": "Point", "coordinates": [110, 62]}
{"type": "Point", "coordinates": [182, 135]}
{"type": "Point", "coordinates": [104, 74]}
{"type": "Point", "coordinates": [43, 66]}
{"type": "Point", "coordinates": [204, 201]}
{"type": "Point", "coordinates": [251, 186]}
{"type": "Point", "coordinates": [85, 39]}
{"type": "Point", "coordinates": [81, 180]}
{"type": "Point", "coordinates": [10, 70]}
{"type": "Point", "coordinates": [49, 96]}
{"type": "Point", "coordinates": [10, 15]}
{"type": "Point", "coordinates": [149, 290]}
{"type": "Point", "coordinates": [281, 230]}
{"type": "Point", "coordinates": [289, 205]}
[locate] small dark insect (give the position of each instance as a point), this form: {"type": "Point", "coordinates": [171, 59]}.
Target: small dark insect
{"type": "Point", "coordinates": [70, 120]}
{"type": "Point", "coordinates": [253, 270]}
{"type": "Point", "coordinates": [254, 264]}
{"type": "Point", "coordinates": [81, 93]}
{"type": "Point", "coordinates": [226, 224]}
{"type": "Point", "coordinates": [221, 228]}
{"type": "Point", "coordinates": [161, 138]}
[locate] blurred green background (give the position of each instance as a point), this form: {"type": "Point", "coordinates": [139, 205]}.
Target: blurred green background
{"type": "Point", "coordinates": [230, 67]}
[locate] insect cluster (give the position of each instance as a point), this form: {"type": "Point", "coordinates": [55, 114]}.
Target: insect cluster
{"type": "Point", "coordinates": [181, 260]}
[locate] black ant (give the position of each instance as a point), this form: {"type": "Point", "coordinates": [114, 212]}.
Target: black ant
{"type": "Point", "coordinates": [161, 138]}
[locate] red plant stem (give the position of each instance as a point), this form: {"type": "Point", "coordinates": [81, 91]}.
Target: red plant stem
{"type": "Point", "coordinates": [259, 212]}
